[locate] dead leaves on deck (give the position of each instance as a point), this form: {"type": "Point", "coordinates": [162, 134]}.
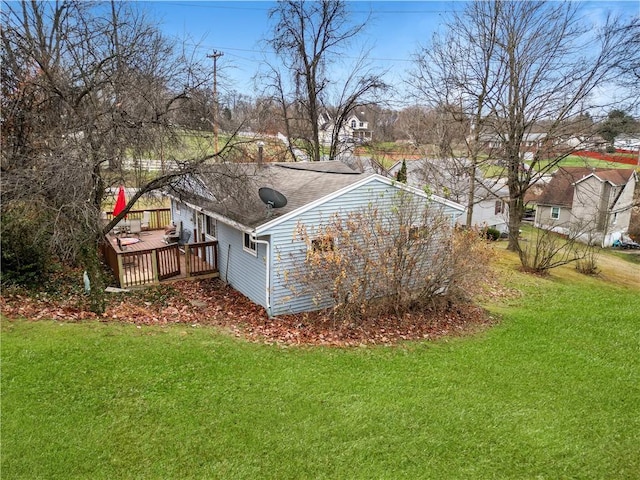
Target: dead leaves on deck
{"type": "Point", "coordinates": [210, 302]}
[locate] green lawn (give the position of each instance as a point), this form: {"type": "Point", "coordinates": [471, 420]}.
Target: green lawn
{"type": "Point", "coordinates": [577, 161]}
{"type": "Point", "coordinates": [551, 392]}
{"type": "Point", "coordinates": [492, 171]}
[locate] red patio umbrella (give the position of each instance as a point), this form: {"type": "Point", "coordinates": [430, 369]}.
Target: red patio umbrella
{"type": "Point", "coordinates": [121, 202]}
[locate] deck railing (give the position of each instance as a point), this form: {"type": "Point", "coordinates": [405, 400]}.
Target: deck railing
{"type": "Point", "coordinates": [147, 267]}
{"type": "Point", "coordinates": [201, 258]}
{"type": "Point", "coordinates": [158, 218]}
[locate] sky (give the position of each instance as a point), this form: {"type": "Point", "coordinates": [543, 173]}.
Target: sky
{"type": "Point", "coordinates": [394, 33]}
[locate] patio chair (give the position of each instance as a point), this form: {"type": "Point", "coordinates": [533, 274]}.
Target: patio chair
{"type": "Point", "coordinates": [184, 238]}
{"type": "Point", "coordinates": [146, 219]}
{"type": "Point", "coordinates": [175, 236]}
{"type": "Point", "coordinates": [135, 227]}
{"type": "Point", "coordinates": [120, 227]}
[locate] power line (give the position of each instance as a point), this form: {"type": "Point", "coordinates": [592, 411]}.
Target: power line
{"type": "Point", "coordinates": [208, 47]}
{"type": "Point", "coordinates": [217, 6]}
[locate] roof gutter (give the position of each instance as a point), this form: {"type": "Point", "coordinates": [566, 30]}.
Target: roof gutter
{"type": "Point", "coordinates": [267, 283]}
{"type": "Point", "coordinates": [217, 216]}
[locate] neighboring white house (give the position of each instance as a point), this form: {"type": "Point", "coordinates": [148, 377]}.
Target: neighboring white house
{"type": "Point", "coordinates": [585, 142]}
{"type": "Point", "coordinates": [627, 142]}
{"type": "Point", "coordinates": [593, 204]}
{"type": "Point", "coordinates": [449, 178]}
{"type": "Point", "coordinates": [258, 243]}
{"type": "Point", "coordinates": [355, 129]}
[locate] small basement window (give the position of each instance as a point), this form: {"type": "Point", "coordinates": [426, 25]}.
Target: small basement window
{"type": "Point", "coordinates": [249, 245]}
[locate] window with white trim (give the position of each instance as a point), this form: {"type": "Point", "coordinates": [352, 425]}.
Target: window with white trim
{"type": "Point", "coordinates": [498, 207]}
{"type": "Point", "coordinates": [353, 124]}
{"type": "Point", "coordinates": [210, 226]}
{"type": "Point", "coordinates": [249, 245]}
{"type": "Point", "coordinates": [555, 213]}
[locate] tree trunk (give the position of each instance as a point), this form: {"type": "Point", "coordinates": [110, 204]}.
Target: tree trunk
{"type": "Point", "coordinates": [472, 191]}
{"type": "Point", "coordinates": [516, 204]}
{"type": "Point", "coordinates": [93, 267]}
{"type": "Point", "coordinates": [515, 218]}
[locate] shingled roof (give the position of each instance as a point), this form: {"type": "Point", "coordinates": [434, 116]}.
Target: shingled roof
{"type": "Point", "coordinates": [234, 193]}
{"type": "Point", "coordinates": [559, 190]}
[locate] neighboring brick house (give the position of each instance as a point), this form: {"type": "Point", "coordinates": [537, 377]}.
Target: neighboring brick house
{"type": "Point", "coordinates": [592, 203]}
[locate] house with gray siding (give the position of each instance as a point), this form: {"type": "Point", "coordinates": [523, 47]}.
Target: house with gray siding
{"type": "Point", "coordinates": [450, 179]}
{"type": "Point", "coordinates": [258, 240]}
{"type": "Point", "coordinates": [592, 204]}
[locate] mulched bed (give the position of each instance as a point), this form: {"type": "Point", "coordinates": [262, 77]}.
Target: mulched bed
{"type": "Point", "coordinates": [211, 302]}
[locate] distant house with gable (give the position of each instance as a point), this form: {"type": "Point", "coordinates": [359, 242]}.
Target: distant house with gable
{"type": "Point", "coordinates": [592, 203]}
{"type": "Point", "coordinates": [355, 129]}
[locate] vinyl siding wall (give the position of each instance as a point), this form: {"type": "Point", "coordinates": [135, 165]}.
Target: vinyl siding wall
{"type": "Point", "coordinates": [288, 252]}
{"type": "Point", "coordinates": [239, 268]}
{"type": "Point", "coordinates": [544, 220]}
{"type": "Point", "coordinates": [242, 270]}
{"type": "Point", "coordinates": [484, 215]}
{"type": "Point", "coordinates": [182, 213]}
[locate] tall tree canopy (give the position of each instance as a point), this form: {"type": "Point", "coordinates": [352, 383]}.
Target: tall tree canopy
{"type": "Point", "coordinates": [309, 38]}
{"type": "Point", "coordinates": [87, 88]}
{"type": "Point", "coordinates": [516, 68]}
{"type": "Point", "coordinates": [616, 123]}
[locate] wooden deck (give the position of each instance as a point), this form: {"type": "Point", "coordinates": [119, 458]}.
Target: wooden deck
{"type": "Point", "coordinates": [150, 260]}
{"type": "Point", "coordinates": [149, 239]}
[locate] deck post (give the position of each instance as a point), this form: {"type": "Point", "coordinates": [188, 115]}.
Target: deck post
{"type": "Point", "coordinates": [120, 271]}
{"type": "Point", "coordinates": [187, 259]}
{"type": "Point", "coordinates": [154, 267]}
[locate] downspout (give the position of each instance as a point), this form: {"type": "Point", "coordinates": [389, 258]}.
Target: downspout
{"type": "Point", "coordinates": [254, 238]}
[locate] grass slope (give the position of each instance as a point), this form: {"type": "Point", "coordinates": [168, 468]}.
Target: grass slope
{"type": "Point", "coordinates": [552, 392]}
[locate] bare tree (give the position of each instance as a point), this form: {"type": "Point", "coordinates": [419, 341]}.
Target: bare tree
{"type": "Point", "coordinates": [513, 67]}
{"type": "Point", "coordinates": [85, 90]}
{"type": "Point", "coordinates": [629, 65]}
{"type": "Point", "coordinates": [308, 37]}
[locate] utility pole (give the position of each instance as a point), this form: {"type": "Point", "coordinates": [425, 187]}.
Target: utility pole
{"type": "Point", "coordinates": [215, 55]}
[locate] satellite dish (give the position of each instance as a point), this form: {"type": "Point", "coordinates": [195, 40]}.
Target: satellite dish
{"type": "Point", "coordinates": [271, 197]}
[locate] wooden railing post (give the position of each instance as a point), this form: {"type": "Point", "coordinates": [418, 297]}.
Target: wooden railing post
{"type": "Point", "coordinates": [154, 267]}
{"type": "Point", "coordinates": [120, 271]}
{"type": "Point", "coordinates": [187, 259]}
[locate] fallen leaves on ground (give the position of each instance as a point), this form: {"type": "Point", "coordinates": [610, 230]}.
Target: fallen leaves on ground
{"type": "Point", "coordinates": [211, 302]}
